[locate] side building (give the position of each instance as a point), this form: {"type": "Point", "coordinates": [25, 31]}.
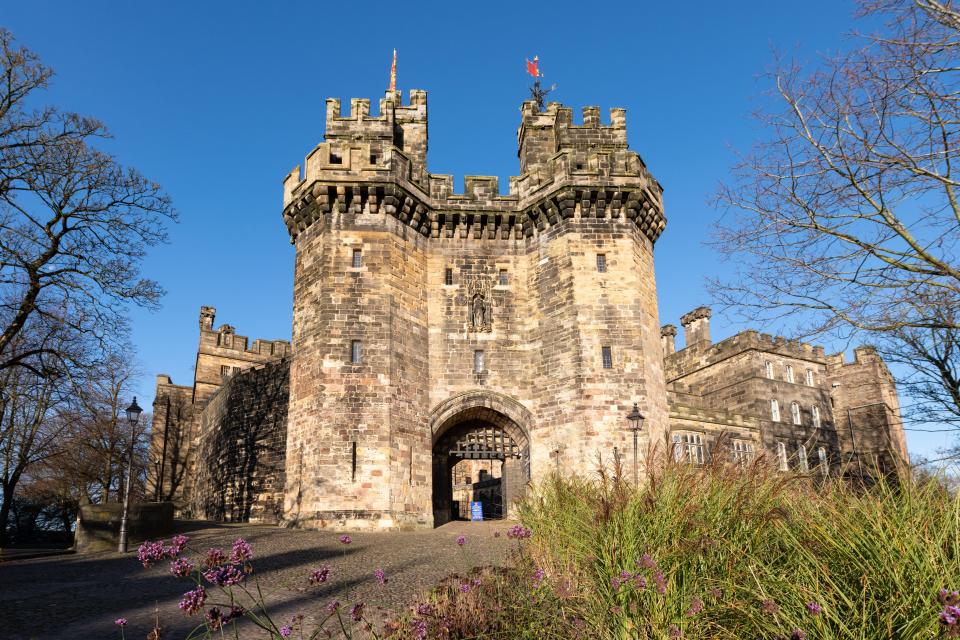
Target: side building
{"type": "Point", "coordinates": [755, 393]}
{"type": "Point", "coordinates": [225, 363]}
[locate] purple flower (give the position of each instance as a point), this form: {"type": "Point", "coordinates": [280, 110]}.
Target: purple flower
{"type": "Point", "coordinates": [626, 575]}
{"type": "Point", "coordinates": [285, 631]}
{"type": "Point", "coordinates": [193, 600]}
{"type": "Point", "coordinates": [476, 582]}
{"type": "Point", "coordinates": [769, 606]}
{"type": "Point", "coordinates": [538, 577]}
{"type": "Point", "coordinates": [424, 609]}
{"type": "Point", "coordinates": [950, 615]}
{"type": "Point", "coordinates": [798, 635]}
{"type": "Point", "coordinates": [181, 567]}
{"type": "Point", "coordinates": [242, 551]}
{"type": "Point", "coordinates": [333, 606]}
{"type": "Point", "coordinates": [234, 613]}
{"type": "Point", "coordinates": [120, 622]}
{"type": "Point", "coordinates": [660, 582]}
{"type": "Point", "coordinates": [178, 543]}
{"type": "Point", "coordinates": [646, 562]}
{"type": "Point", "coordinates": [319, 576]}
{"type": "Point", "coordinates": [465, 587]}
{"type": "Point", "coordinates": [150, 552]}
{"type": "Point", "coordinates": [696, 606]}
{"type": "Point", "coordinates": [225, 575]}
{"type": "Point", "coordinates": [518, 532]}
{"type": "Point", "coordinates": [345, 539]}
{"type": "Point", "coordinates": [640, 582]}
{"type": "Point", "coordinates": [673, 631]}
{"type": "Point", "coordinates": [814, 608]}
{"type": "Point", "coordinates": [947, 597]}
{"type": "Point", "coordinates": [214, 618]}
{"type": "Point", "coordinates": [356, 612]}
{"type": "Point", "coordinates": [461, 540]}
{"type": "Point", "coordinates": [214, 558]}
{"type": "Point", "coordinates": [716, 593]}
{"type": "Point", "coordinates": [419, 628]}
{"type": "Point", "coordinates": [615, 583]}
{"type": "Point", "coordinates": [380, 576]}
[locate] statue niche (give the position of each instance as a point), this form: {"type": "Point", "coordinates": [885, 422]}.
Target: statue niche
{"type": "Point", "coordinates": [481, 303]}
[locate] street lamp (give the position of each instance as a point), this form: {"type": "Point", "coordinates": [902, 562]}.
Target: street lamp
{"type": "Point", "coordinates": [133, 416]}
{"type": "Point", "coordinates": [635, 418]}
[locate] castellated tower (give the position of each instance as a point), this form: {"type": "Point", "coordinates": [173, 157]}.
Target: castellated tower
{"type": "Point", "coordinates": [436, 331]}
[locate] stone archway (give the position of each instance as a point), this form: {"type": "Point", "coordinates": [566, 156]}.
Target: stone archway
{"type": "Point", "coordinates": [479, 429]}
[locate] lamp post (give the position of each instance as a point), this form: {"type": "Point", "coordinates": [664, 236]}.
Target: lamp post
{"type": "Point", "coordinates": [133, 416]}
{"type": "Point", "coordinates": [635, 418]}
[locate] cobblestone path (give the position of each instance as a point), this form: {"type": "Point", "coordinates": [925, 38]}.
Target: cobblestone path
{"type": "Point", "coordinates": [79, 596]}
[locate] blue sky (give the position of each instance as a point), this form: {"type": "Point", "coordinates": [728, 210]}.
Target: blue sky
{"type": "Point", "coordinates": [217, 101]}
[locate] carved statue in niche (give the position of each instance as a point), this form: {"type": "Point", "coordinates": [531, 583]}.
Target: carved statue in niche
{"type": "Point", "coordinates": [481, 305]}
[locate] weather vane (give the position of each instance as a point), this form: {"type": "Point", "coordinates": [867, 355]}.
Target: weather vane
{"type": "Point", "coordinates": [538, 93]}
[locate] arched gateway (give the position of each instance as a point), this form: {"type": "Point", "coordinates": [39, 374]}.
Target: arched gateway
{"type": "Point", "coordinates": [481, 452]}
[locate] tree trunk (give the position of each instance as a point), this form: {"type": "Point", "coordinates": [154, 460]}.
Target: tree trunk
{"type": "Point", "coordinates": [5, 516]}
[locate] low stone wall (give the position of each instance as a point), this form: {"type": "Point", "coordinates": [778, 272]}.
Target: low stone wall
{"type": "Point", "coordinates": [242, 447]}
{"type": "Point", "coordinates": [98, 526]}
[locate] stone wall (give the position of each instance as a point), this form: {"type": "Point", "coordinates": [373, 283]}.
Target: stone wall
{"type": "Point", "coordinates": [241, 447]}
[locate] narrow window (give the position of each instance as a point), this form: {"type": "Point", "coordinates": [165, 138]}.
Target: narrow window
{"type": "Point", "coordinates": [802, 458]}
{"type": "Point", "coordinates": [355, 353]}
{"type": "Point", "coordinates": [607, 357]}
{"type": "Point", "coordinates": [602, 262]}
{"type": "Point", "coordinates": [782, 463]}
{"type": "Point", "coordinates": [824, 465]}
{"type": "Point", "coordinates": [775, 411]}
{"type": "Point", "coordinates": [769, 369]}
{"type": "Point", "coordinates": [795, 412]}
{"type": "Point", "coordinates": [789, 373]}
{"type": "Point", "coordinates": [478, 361]}
{"type": "Point", "coordinates": [448, 276]}
{"type": "Point", "coordinates": [688, 447]}
{"type": "Point", "coordinates": [815, 412]}
{"type": "Point", "coordinates": [373, 158]}
{"type": "Point", "coordinates": [742, 452]}
{"type": "Point", "coordinates": [335, 159]}
{"type": "Point", "coordinates": [504, 278]}
{"type": "Point", "coordinates": [224, 371]}
{"type": "Point", "coordinates": [809, 377]}
{"type": "Point", "coordinates": [357, 258]}
{"type": "Point", "coordinates": [236, 370]}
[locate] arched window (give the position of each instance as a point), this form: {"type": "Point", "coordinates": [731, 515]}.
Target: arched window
{"type": "Point", "coordinates": [789, 373]}
{"type": "Point", "coordinates": [769, 369]}
{"type": "Point", "coordinates": [809, 377]}
{"type": "Point", "coordinates": [795, 412]}
{"type": "Point", "coordinates": [802, 458]}
{"type": "Point", "coordinates": [782, 463]}
{"type": "Point", "coordinates": [824, 465]}
{"type": "Point", "coordinates": [775, 411]}
{"type": "Point", "coordinates": [815, 412]}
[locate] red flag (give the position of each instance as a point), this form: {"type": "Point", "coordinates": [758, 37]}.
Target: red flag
{"type": "Point", "coordinates": [533, 68]}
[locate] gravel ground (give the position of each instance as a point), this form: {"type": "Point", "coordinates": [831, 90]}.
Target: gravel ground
{"type": "Point", "coordinates": [79, 596]}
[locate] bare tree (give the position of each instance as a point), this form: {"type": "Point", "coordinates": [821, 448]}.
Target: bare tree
{"type": "Point", "coordinates": [849, 211]}
{"type": "Point", "coordinates": [29, 430]}
{"type": "Point", "coordinates": [74, 224]}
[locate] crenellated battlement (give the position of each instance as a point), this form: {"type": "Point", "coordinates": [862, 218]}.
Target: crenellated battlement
{"type": "Point", "coordinates": [225, 338]}
{"type": "Point", "coordinates": [372, 165]}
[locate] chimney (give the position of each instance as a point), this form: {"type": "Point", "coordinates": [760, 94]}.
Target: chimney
{"type": "Point", "coordinates": [668, 338]}
{"type": "Point", "coordinates": [207, 315]}
{"type": "Point", "coordinates": [696, 326]}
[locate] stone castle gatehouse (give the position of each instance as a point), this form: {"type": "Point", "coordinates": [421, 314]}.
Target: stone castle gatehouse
{"type": "Point", "coordinates": [450, 347]}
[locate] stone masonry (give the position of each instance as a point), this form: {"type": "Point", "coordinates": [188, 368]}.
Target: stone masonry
{"type": "Point", "coordinates": [438, 333]}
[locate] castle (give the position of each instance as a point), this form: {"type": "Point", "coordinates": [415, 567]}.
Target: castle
{"type": "Point", "coordinates": [453, 347]}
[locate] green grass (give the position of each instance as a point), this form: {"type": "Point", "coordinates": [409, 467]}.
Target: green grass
{"type": "Point", "coordinates": [752, 545]}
